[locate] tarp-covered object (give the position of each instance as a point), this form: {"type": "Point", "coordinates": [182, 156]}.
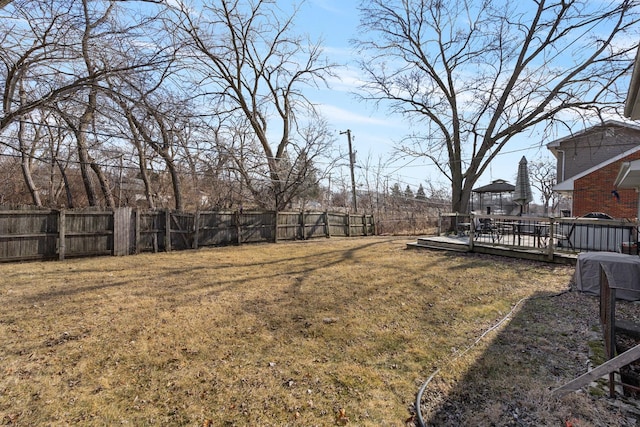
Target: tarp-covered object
{"type": "Point", "coordinates": [625, 270]}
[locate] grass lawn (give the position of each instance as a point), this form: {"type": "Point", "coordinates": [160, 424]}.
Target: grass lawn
{"type": "Point", "coordinates": [326, 332]}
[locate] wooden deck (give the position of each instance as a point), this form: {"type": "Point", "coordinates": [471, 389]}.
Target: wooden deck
{"type": "Point", "coordinates": [461, 244]}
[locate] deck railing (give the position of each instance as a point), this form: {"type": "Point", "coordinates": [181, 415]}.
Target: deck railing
{"type": "Point", "coordinates": [544, 234]}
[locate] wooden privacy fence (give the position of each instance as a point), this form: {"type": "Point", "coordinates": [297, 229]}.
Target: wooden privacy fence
{"type": "Point", "coordinates": [52, 234]}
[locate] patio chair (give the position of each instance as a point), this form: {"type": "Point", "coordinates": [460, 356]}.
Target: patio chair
{"type": "Point", "coordinates": [486, 226]}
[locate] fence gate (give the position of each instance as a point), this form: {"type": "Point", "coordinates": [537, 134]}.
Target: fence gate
{"type": "Point", "coordinates": [121, 231]}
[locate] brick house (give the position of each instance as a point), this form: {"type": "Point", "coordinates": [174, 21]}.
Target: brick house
{"type": "Point", "coordinates": [588, 163]}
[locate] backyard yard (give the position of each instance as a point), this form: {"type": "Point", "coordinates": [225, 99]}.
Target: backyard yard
{"type": "Point", "coordinates": [324, 332]}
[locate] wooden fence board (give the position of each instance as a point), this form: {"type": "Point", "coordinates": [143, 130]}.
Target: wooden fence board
{"type": "Point", "coordinates": [314, 225]}
{"type": "Point", "coordinates": [27, 234]}
{"type": "Point", "coordinates": [88, 233]}
{"type": "Point", "coordinates": [288, 226]}
{"type": "Point", "coordinates": [338, 224]}
{"type": "Point", "coordinates": [181, 230]}
{"type": "Point", "coordinates": [216, 229]}
{"type": "Point", "coordinates": [607, 367]}
{"type": "Point", "coordinates": [256, 227]}
{"type": "Point", "coordinates": [151, 232]}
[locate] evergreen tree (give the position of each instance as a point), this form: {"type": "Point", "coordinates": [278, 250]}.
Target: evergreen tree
{"type": "Point", "coordinates": [396, 193]}
{"type": "Point", "coordinates": [408, 192]}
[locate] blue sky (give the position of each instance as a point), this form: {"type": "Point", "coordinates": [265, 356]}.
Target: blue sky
{"type": "Point", "coordinates": [375, 131]}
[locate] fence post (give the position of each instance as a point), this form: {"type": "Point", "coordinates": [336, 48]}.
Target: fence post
{"type": "Point", "coordinates": [472, 231]}
{"type": "Point", "coordinates": [303, 229]}
{"type": "Point", "coordinates": [552, 232]}
{"type": "Point", "coordinates": [236, 218]}
{"type": "Point", "coordinates": [61, 234]}
{"type": "Point", "coordinates": [364, 224]}
{"type": "Point", "coordinates": [137, 225]}
{"type": "Point", "coordinates": [167, 230]}
{"type": "Point", "coordinates": [115, 233]}
{"type": "Point", "coordinates": [348, 224]}
{"type": "Point", "coordinates": [196, 229]}
{"type": "Point", "coordinates": [276, 220]}
{"type": "Point", "coordinates": [327, 229]}
{"type": "Point", "coordinates": [374, 225]}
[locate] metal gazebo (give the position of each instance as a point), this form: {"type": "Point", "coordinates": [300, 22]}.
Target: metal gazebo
{"type": "Point", "coordinates": [496, 195]}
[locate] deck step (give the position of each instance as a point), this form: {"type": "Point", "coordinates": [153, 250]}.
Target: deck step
{"type": "Point", "coordinates": [431, 244]}
{"type": "Point", "coordinates": [461, 244]}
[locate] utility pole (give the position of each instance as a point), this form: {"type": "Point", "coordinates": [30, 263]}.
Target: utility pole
{"type": "Point", "coordinates": [352, 161]}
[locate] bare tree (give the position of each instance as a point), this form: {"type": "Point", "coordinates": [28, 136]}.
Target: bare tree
{"type": "Point", "coordinates": [301, 172]}
{"type": "Point", "coordinates": [27, 152]}
{"type": "Point", "coordinates": [39, 44]}
{"type": "Point", "coordinates": [249, 63]}
{"type": "Point", "coordinates": [372, 176]}
{"type": "Point", "coordinates": [38, 140]}
{"type": "Point", "coordinates": [543, 178]}
{"type": "Point", "coordinates": [92, 22]}
{"type": "Point", "coordinates": [475, 73]}
{"type": "Point", "coordinates": [60, 157]}
{"type": "Point", "coordinates": [94, 86]}
{"type": "Point", "coordinates": [39, 49]}
{"type": "Point", "coordinates": [159, 129]}
{"type": "Point", "coordinates": [30, 50]}
{"type": "Point", "coordinates": [60, 53]}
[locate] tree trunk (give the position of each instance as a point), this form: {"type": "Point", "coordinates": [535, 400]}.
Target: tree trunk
{"type": "Point", "coordinates": [28, 179]}
{"type": "Point", "coordinates": [142, 160]}
{"type": "Point", "coordinates": [460, 198]}
{"type": "Point", "coordinates": [83, 157]}
{"type": "Point", "coordinates": [25, 164]}
{"type": "Point", "coordinates": [66, 184]}
{"type": "Point", "coordinates": [104, 185]}
{"type": "Point", "coordinates": [175, 180]}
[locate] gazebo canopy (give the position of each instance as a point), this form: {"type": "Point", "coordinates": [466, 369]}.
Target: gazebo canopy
{"type": "Point", "coordinates": [496, 186]}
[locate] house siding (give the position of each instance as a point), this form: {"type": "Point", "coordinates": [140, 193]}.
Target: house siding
{"type": "Point", "coordinates": [593, 147]}
{"type": "Point", "coordinates": [593, 192]}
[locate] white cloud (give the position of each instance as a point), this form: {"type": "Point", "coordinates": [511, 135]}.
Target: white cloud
{"type": "Point", "coordinates": [340, 115]}
{"type": "Point", "coordinates": [328, 5]}
{"type": "Point", "coordinates": [346, 80]}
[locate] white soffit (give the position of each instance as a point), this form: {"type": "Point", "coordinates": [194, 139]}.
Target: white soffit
{"type": "Point", "coordinates": [564, 185]}
{"type": "Point", "coordinates": [629, 175]}
{"type": "Point", "coordinates": [632, 104]}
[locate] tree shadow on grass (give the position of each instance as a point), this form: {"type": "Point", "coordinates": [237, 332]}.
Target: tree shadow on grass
{"type": "Point", "coordinates": [213, 278]}
{"type": "Point", "coordinates": [545, 345]}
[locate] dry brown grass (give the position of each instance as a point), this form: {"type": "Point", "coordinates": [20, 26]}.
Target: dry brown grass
{"type": "Point", "coordinates": [312, 333]}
